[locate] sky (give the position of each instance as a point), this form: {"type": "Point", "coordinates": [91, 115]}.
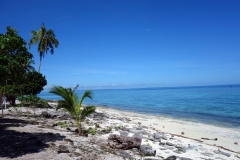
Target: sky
{"type": "Point", "coordinates": [133, 43]}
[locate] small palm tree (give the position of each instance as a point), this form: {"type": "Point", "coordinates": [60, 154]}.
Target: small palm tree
{"type": "Point", "coordinates": [46, 40]}
{"type": "Point", "coordinates": [72, 104]}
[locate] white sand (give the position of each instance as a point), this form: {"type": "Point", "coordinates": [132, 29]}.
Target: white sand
{"type": "Point", "coordinates": [226, 137]}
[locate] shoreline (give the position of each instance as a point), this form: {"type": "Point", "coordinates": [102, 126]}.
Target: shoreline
{"type": "Point", "coordinates": [226, 137]}
{"type": "Point", "coordinates": [168, 116]}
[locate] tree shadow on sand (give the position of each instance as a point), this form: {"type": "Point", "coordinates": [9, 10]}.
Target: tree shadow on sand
{"type": "Point", "coordinates": [14, 144]}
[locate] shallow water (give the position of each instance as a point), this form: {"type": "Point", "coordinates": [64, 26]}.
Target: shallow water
{"type": "Point", "coordinates": [217, 105]}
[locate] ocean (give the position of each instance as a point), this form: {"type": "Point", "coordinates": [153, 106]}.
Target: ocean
{"type": "Point", "coordinates": [215, 105]}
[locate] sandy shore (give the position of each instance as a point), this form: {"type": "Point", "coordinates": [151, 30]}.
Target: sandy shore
{"type": "Point", "coordinates": [226, 137]}
{"type": "Point", "coordinates": [27, 136]}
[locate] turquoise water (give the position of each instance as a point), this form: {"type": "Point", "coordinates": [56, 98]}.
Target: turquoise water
{"type": "Point", "coordinates": [217, 105]}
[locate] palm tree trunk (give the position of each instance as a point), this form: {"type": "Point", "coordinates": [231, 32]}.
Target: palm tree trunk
{"type": "Point", "coordinates": [40, 63]}
{"type": "Point", "coordinates": [78, 126]}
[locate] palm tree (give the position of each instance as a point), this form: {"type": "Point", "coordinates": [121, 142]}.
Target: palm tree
{"type": "Point", "coordinates": [46, 40]}
{"type": "Point", "coordinates": [71, 103]}
{"type": "Point", "coordinates": [27, 66]}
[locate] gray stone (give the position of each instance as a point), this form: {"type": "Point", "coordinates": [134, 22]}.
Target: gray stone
{"type": "Point", "coordinates": [134, 149]}
{"type": "Point", "coordinates": [147, 150]}
{"type": "Point", "coordinates": [137, 131]}
{"type": "Point", "coordinates": [208, 154]}
{"type": "Point", "coordinates": [123, 133]}
{"type": "Point", "coordinates": [164, 137]}
{"type": "Point", "coordinates": [190, 147]}
{"type": "Point", "coordinates": [157, 135]}
{"type": "Point", "coordinates": [78, 158]}
{"type": "Point", "coordinates": [123, 154]}
{"type": "Point", "coordinates": [156, 140]}
{"type": "Point", "coordinates": [181, 148]}
{"type": "Point", "coordinates": [139, 128]}
{"type": "Point", "coordinates": [126, 129]}
{"type": "Point", "coordinates": [169, 147]}
{"type": "Point", "coordinates": [223, 153]}
{"type": "Point", "coordinates": [162, 148]}
{"type": "Point", "coordinates": [45, 114]}
{"type": "Point", "coordinates": [162, 143]}
{"type": "Point", "coordinates": [183, 158]}
{"type": "Point", "coordinates": [171, 158]}
{"type": "Point", "coordinates": [63, 149]}
{"type": "Point", "coordinates": [138, 136]}
{"type": "Point", "coordinates": [169, 143]}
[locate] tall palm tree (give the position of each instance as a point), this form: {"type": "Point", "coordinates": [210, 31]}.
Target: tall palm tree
{"type": "Point", "coordinates": [46, 40]}
{"type": "Point", "coordinates": [72, 104]}
{"type": "Point", "coordinates": [28, 67]}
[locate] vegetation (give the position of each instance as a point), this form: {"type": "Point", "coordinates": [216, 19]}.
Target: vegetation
{"type": "Point", "coordinates": [91, 131]}
{"type": "Point", "coordinates": [72, 104]}
{"type": "Point", "coordinates": [46, 40]}
{"type": "Point", "coordinates": [17, 76]}
{"type": "Point", "coordinates": [63, 124]}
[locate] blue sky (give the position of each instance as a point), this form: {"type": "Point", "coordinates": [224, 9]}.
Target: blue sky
{"type": "Point", "coordinates": [133, 43]}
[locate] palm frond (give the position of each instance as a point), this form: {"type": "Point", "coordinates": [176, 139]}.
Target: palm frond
{"type": "Point", "coordinates": [66, 95]}
{"type": "Point", "coordinates": [66, 106]}
{"type": "Point", "coordinates": [87, 111]}
{"type": "Point", "coordinates": [75, 88]}
{"type": "Point", "coordinates": [87, 94]}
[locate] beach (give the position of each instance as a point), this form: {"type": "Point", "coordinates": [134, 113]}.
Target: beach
{"type": "Point", "coordinates": [166, 137]}
{"type": "Point", "coordinates": [226, 137]}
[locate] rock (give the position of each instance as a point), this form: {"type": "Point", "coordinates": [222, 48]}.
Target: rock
{"type": "Point", "coordinates": [78, 158]}
{"type": "Point", "coordinates": [123, 154]}
{"type": "Point", "coordinates": [223, 153]}
{"type": "Point", "coordinates": [183, 158]}
{"type": "Point", "coordinates": [77, 151]}
{"type": "Point", "coordinates": [45, 114]}
{"type": "Point", "coordinates": [181, 148]}
{"type": "Point", "coordinates": [139, 128]}
{"type": "Point", "coordinates": [156, 140]}
{"type": "Point", "coordinates": [54, 125]}
{"type": "Point", "coordinates": [63, 149]}
{"type": "Point", "coordinates": [126, 129]}
{"type": "Point", "coordinates": [90, 116]}
{"type": "Point", "coordinates": [171, 158]}
{"type": "Point", "coordinates": [69, 140]}
{"type": "Point", "coordinates": [62, 156]}
{"type": "Point", "coordinates": [190, 147]}
{"type": "Point", "coordinates": [157, 135]}
{"type": "Point", "coordinates": [134, 149]}
{"type": "Point", "coordinates": [137, 131]}
{"type": "Point", "coordinates": [138, 136]}
{"type": "Point", "coordinates": [162, 148]}
{"type": "Point", "coordinates": [169, 143]}
{"type": "Point", "coordinates": [151, 138]}
{"type": "Point", "coordinates": [123, 142]}
{"type": "Point", "coordinates": [208, 154]}
{"type": "Point", "coordinates": [162, 143]}
{"type": "Point", "coordinates": [164, 137]}
{"type": "Point", "coordinates": [147, 150]}
{"type": "Point", "coordinates": [123, 133]}
{"type": "Point", "coordinates": [169, 147]}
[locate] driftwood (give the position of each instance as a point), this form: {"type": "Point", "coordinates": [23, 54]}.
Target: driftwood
{"type": "Point", "coordinates": [123, 142]}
